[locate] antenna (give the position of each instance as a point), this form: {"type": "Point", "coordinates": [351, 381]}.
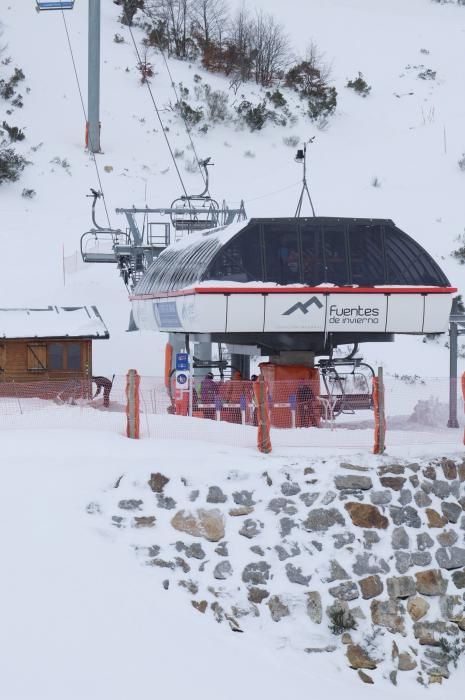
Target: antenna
{"type": "Point", "coordinates": [301, 157]}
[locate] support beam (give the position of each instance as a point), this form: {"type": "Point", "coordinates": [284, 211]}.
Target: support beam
{"type": "Point", "coordinates": [93, 102]}
{"type": "Point", "coordinates": [453, 371]}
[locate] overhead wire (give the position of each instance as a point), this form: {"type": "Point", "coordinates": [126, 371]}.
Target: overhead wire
{"type": "Point", "coordinates": [85, 117]}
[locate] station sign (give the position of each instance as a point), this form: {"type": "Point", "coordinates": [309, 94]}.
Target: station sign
{"type": "Point", "coordinates": [182, 361]}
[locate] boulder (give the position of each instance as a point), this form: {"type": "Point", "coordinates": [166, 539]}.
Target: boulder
{"type": "Point", "coordinates": [345, 591]}
{"type": "Point", "coordinates": [386, 613]}
{"type": "Point", "coordinates": [243, 498]}
{"type": "Point", "coordinates": [434, 519]}
{"type": "Point", "coordinates": [222, 570]}
{"type": "Point", "coordinates": [353, 481]}
{"type": "Point", "coordinates": [417, 607]}
{"type": "Point", "coordinates": [381, 498]}
{"type": "Point", "coordinates": [368, 563]}
{"type": "Point", "coordinates": [429, 472]}
{"type": "Point", "coordinates": [395, 483]}
{"type": "Point", "coordinates": [401, 586]}
{"type": "Point", "coordinates": [431, 582]}
{"type": "Point", "coordinates": [359, 658]}
{"type": "Point", "coordinates": [450, 558]}
{"type": "Point", "coordinates": [278, 609]}
{"type": "Point", "coordinates": [256, 595]}
{"type": "Point", "coordinates": [216, 495]}
{"type": "Point", "coordinates": [290, 488]}
{"type": "Point", "coordinates": [144, 521]}
{"type": "Point", "coordinates": [281, 505]}
{"type": "Point", "coordinates": [371, 586]}
{"type": "Point", "coordinates": [314, 607]}
{"type": "Point", "coordinates": [451, 511]}
{"type": "Point", "coordinates": [321, 519]}
{"type": "Point", "coordinates": [424, 541]}
{"type": "Point", "coordinates": [250, 528]}
{"type": "Point", "coordinates": [295, 575]}
{"type": "Point", "coordinates": [240, 511]}
{"type": "Point", "coordinates": [364, 677]}
{"type": "Point", "coordinates": [130, 504]}
{"type": "Point", "coordinates": [366, 516]}
{"type": "Point", "coordinates": [422, 499]}
{"type": "Point", "coordinates": [157, 482]}
{"type": "Point", "coordinates": [405, 515]}
{"type": "Point", "coordinates": [458, 578]}
{"type": "Point", "coordinates": [257, 573]}
{"type": "Point", "coordinates": [203, 523]}
{"type": "Point", "coordinates": [400, 538]}
{"type": "Point", "coordinates": [406, 662]}
{"type": "Point", "coordinates": [165, 502]}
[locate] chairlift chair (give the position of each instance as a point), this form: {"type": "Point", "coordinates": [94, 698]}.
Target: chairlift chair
{"type": "Point", "coordinates": [54, 5]}
{"type": "Point", "coordinates": [197, 212]}
{"type": "Point", "coordinates": [347, 385]}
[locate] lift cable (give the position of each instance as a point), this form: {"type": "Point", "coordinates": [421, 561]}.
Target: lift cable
{"type": "Point", "coordinates": [139, 58]}
{"type": "Point", "coordinates": [85, 117]}
{"type": "Point", "coordinates": [178, 102]}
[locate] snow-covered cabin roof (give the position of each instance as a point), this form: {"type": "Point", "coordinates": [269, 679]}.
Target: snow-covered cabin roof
{"type": "Point", "coordinates": [52, 322]}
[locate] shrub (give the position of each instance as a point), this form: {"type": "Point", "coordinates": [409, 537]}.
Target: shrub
{"type": "Point", "coordinates": [291, 141]}
{"type": "Point", "coordinates": [255, 116]}
{"type": "Point", "coordinates": [360, 85]}
{"type": "Point", "coordinates": [217, 102]}
{"type": "Point", "coordinates": [191, 165]}
{"type": "Point", "coordinates": [14, 132]}
{"type": "Point", "coordinates": [190, 115]}
{"type": "Point", "coordinates": [12, 164]}
{"type": "Point", "coordinates": [7, 87]}
{"type": "Point", "coordinates": [375, 181]}
{"type": "Point", "coordinates": [307, 79]}
{"type": "Point", "coordinates": [28, 194]}
{"type": "Point", "coordinates": [277, 99]}
{"type": "Point", "coordinates": [427, 74]}
{"type": "Point", "coordinates": [341, 621]}
{"type": "Point", "coordinates": [118, 39]}
{"type": "Point", "coordinates": [130, 8]}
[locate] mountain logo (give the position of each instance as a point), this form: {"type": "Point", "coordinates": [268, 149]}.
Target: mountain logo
{"type": "Point", "coordinates": [303, 307]}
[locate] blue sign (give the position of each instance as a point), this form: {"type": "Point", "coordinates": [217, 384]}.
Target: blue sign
{"type": "Point", "coordinates": [182, 361]}
{"type": "Point", "coordinates": [181, 379]}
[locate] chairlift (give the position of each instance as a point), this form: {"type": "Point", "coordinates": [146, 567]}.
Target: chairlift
{"type": "Point", "coordinates": [54, 5]}
{"type": "Point", "coordinates": [348, 384]}
{"type": "Point", "coordinates": [196, 212]}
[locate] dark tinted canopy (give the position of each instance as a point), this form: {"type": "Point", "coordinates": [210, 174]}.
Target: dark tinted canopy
{"type": "Point", "coordinates": [363, 252]}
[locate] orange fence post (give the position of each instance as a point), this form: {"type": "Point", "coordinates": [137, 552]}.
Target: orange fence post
{"type": "Point", "coordinates": [260, 390]}
{"type": "Point", "coordinates": [463, 394]}
{"type": "Point", "coordinates": [380, 418]}
{"type": "Point", "coordinates": [132, 404]}
{"type": "Point", "coordinates": [168, 363]}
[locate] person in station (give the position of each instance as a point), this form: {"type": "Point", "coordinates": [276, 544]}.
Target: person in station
{"type": "Point", "coordinates": [307, 406]}
{"type": "Point", "coordinates": [233, 392]}
{"type": "Point", "coordinates": [105, 384]}
{"type": "Point", "coordinates": [209, 393]}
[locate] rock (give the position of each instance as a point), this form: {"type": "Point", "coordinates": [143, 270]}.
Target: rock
{"type": "Point", "coordinates": [284, 554]}
{"type": "Point", "coordinates": [93, 508]}
{"type": "Point", "coordinates": [387, 614]}
{"type": "Point", "coordinates": [401, 587]}
{"type": "Point", "coordinates": [462, 522]}
{"type": "Point", "coordinates": [403, 561]}
{"type": "Point", "coordinates": [278, 609]}
{"type": "Point", "coordinates": [203, 523]}
{"type": "Point", "coordinates": [346, 638]}
{"type": "Point", "coordinates": [406, 662]}
{"type": "Point", "coordinates": [345, 591]}
{"type": "Point", "coordinates": [358, 657]}
{"type": "Point", "coordinates": [328, 498]}
{"type": "Point", "coordinates": [308, 499]}
{"type": "Point", "coordinates": [422, 499]}
{"type": "Point", "coordinates": [321, 650]}
{"type": "Point", "coordinates": [290, 488]}
{"type": "Point", "coordinates": [241, 510]}
{"type": "Point", "coordinates": [243, 498]}
{"type": "Point", "coordinates": [117, 521]}
{"type": "Point", "coordinates": [343, 539]}
{"type": "Point", "coordinates": [400, 539]}
{"type": "Point", "coordinates": [165, 502]}
{"type": "Point", "coordinates": [182, 564]}
{"type": "Point", "coordinates": [294, 574]}
{"type": "Point", "coordinates": [366, 516]}
{"type": "Point", "coordinates": [216, 495]}
{"type": "Point", "coordinates": [391, 469]}
{"type": "Point", "coordinates": [431, 582]}
{"type": "Point", "coordinates": [162, 563]}
{"type": "Point", "coordinates": [189, 585]}
{"type": "Point", "coordinates": [314, 608]}
{"type": "Point", "coordinates": [144, 521]}
{"type": "Point", "coordinates": [193, 551]}
{"type": "Point", "coordinates": [282, 505]}
{"type": "Point", "coordinates": [365, 677]}
{"type": "Point", "coordinates": [256, 549]}
{"type": "Point", "coordinates": [157, 482]}
{"type": "Point", "coordinates": [434, 519]}
{"type": "Point", "coordinates": [336, 572]}
{"type": "Point", "coordinates": [462, 502]}
{"type": "Point", "coordinates": [450, 558]}
{"type": "Point", "coordinates": [321, 519]}
{"type": "Point", "coordinates": [371, 586]}
{"type": "Point", "coordinates": [447, 538]}
{"type": "Point", "coordinates": [154, 550]}
{"type": "Point", "coordinates": [193, 496]}
{"type": "Point", "coordinates": [441, 489]}
{"type": "Point", "coordinates": [222, 570]}
{"type": "Point", "coordinates": [393, 677]}
{"type": "Point", "coordinates": [461, 471]}
{"type": "Point", "coordinates": [353, 467]}
{"type": "Point", "coordinates": [451, 511]}
{"type": "Point", "coordinates": [381, 498]}
{"type": "Point", "coordinates": [395, 483]}
{"type": "Point", "coordinates": [368, 563]}
{"type": "Point", "coordinates": [427, 487]}
{"type": "Point", "coordinates": [406, 515]}
{"type": "Point", "coordinates": [405, 497]}
{"type": "Point", "coordinates": [166, 584]}
{"type": "Point", "coordinates": [318, 546]}
{"type": "Point", "coordinates": [130, 504]}
{"type": "Point", "coordinates": [449, 469]}
{"type": "Point", "coordinates": [414, 480]}
{"type": "Point", "coordinates": [424, 541]}
{"type": "Point", "coordinates": [222, 549]}
{"type": "Point", "coordinates": [286, 525]}
{"type": "Point", "coordinates": [429, 633]}
{"type": "Point", "coordinates": [421, 558]}
{"type": "Point", "coordinates": [458, 578]}
{"type": "Point", "coordinates": [430, 472]}
{"type": "Point", "coordinates": [353, 481]}
{"type": "Point", "coordinates": [256, 573]}
{"type": "Point", "coordinates": [250, 528]}
{"type": "Point", "coordinates": [370, 537]}
{"type": "Point", "coordinates": [417, 607]}
{"type": "Point", "coordinates": [451, 607]}
{"type": "Point", "coordinates": [200, 605]}
{"type": "Point", "coordinates": [256, 595]}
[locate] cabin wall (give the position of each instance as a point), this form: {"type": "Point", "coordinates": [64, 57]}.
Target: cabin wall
{"type": "Point", "coordinates": [39, 360]}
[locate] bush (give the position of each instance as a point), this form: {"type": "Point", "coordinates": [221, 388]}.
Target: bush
{"type": "Point", "coordinates": [255, 116]}
{"type": "Point", "coordinates": [341, 621]}
{"type": "Point", "coordinates": [118, 39]}
{"type": "Point", "coordinates": [277, 99]}
{"type": "Point", "coordinates": [291, 141]}
{"type": "Point", "coordinates": [7, 87]}
{"type": "Point", "coordinates": [14, 132]}
{"type": "Point", "coordinates": [12, 164]}
{"type": "Point", "coordinates": [217, 103]}
{"type": "Point", "coordinates": [307, 79]}
{"type": "Point", "coordinates": [28, 194]}
{"type": "Point", "coordinates": [427, 74]}
{"type": "Point", "coordinates": [360, 85]}
{"type": "Point", "coordinates": [190, 115]}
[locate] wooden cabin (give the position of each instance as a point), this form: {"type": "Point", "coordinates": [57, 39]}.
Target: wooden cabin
{"type": "Point", "coordinates": [51, 343]}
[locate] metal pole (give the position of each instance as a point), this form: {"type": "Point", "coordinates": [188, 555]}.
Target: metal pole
{"type": "Point", "coordinates": [453, 353]}
{"type": "Point", "coordinates": [93, 99]}
{"type": "Point", "coordinates": [382, 411]}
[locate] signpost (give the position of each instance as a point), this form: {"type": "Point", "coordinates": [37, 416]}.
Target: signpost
{"type": "Point", "coordinates": [183, 384]}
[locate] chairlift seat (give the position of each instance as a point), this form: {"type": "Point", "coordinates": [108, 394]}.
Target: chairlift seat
{"type": "Point", "coordinates": [193, 224]}
{"type": "Point", "coordinates": [94, 257]}
{"type": "Point", "coordinates": [54, 5]}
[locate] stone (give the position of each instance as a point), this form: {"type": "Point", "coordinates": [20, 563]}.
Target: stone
{"type": "Point", "coordinates": [182, 564]}
{"type": "Point", "coordinates": [208, 524]}
{"type": "Point", "coordinates": [285, 554]}
{"type": "Point", "coordinates": [250, 528]}
{"type": "Point", "coordinates": [365, 677]}
{"type": "Point", "coordinates": [371, 586]}
{"type": "Point", "coordinates": [429, 633]}
{"type": "Point", "coordinates": [400, 538]}
{"type": "Point", "coordinates": [422, 499]}
{"type": "Point", "coordinates": [165, 502]}
{"type": "Point", "coordinates": [405, 497]}
{"type": "Point", "coordinates": [387, 614]}
{"type": "Point", "coordinates": [216, 495]}
{"type": "Point", "coordinates": [282, 505]}
{"type": "Point", "coordinates": [193, 496]}
{"type": "Point", "coordinates": [290, 488]}
{"type": "Point", "coordinates": [462, 522]}
{"type": "Point", "coordinates": [421, 558]}
{"type": "Point", "coordinates": [451, 511]}
{"type": "Point", "coordinates": [295, 575]}
{"type": "Point", "coordinates": [353, 467]}
{"type": "Point", "coordinates": [441, 489]}
{"type": "Point", "coordinates": [240, 511]}
{"type": "Point", "coordinates": [256, 573]}
{"type": "Point", "coordinates": [286, 526]}
{"type": "Point", "coordinates": [130, 504]}
{"type": "Point", "coordinates": [405, 515]}
{"type": "Point", "coordinates": [391, 469]}
{"type": "Point", "coordinates": [256, 549]}
{"type": "Point", "coordinates": [401, 587]}
{"type": "Point", "coordinates": [353, 481]}
{"type": "Point", "coordinates": [429, 472]}
{"type": "Point", "coordinates": [417, 607]}
{"type": "Point", "coordinates": [358, 657]}
{"type": "Point", "coordinates": [222, 570]}
{"type": "Point", "coordinates": [461, 501]}
{"type": "Point", "coordinates": [308, 499]}
{"type": "Point", "coordinates": [321, 519]}
{"type": "Point", "coordinates": [328, 498]}
{"type": "Point", "coordinates": [321, 650]}
{"type": "Point", "coordinates": [144, 521]}
{"type": "Point", "coordinates": [278, 609]}
{"type": "Point", "coordinates": [434, 519]}
{"type": "Point", "coordinates": [154, 550]}
{"type": "Point", "coordinates": [431, 582]}
{"type": "Point", "coordinates": [393, 677]}
{"type": "Point", "coordinates": [257, 595]}
{"type": "Point", "coordinates": [161, 563]}
{"type": "Point", "coordinates": [157, 482]}
{"type": "Point", "coordinates": [336, 572]}
{"type": "Point", "coordinates": [424, 541]}
{"type": "Point", "coordinates": [368, 563]}
{"type": "Point", "coordinates": [395, 483]}
{"type": "Point", "coordinates": [447, 538]}
{"type": "Point", "coordinates": [346, 639]}
{"type": "Point", "coordinates": [314, 607]}
{"type": "Point", "coordinates": [414, 480]}
{"type": "Point", "coordinates": [189, 585]}
{"type": "Point", "coordinates": [406, 662]}
{"type": "Point", "coordinates": [222, 549]}
{"type": "Point", "coordinates": [200, 605]}
{"type": "Point", "coordinates": [452, 608]}
{"type": "Point", "coordinates": [345, 591]}
{"type": "Point", "coordinates": [366, 516]}
{"type": "Point", "coordinates": [243, 498]}
{"type": "Point", "coordinates": [427, 487]}
{"type": "Point", "coordinates": [458, 578]}
{"type": "Point", "coordinates": [449, 469]}
{"type": "Point", "coordinates": [461, 471]}
{"type": "Point", "coordinates": [343, 539]}
{"type": "Point", "coordinates": [318, 546]}
{"type": "Point", "coordinates": [166, 584]}
{"type": "Point", "coordinates": [381, 498]}
{"type": "Point", "coordinates": [370, 537]}
{"type": "Point", "coordinates": [117, 521]}
{"type": "Point", "coordinates": [403, 561]}
{"type": "Point", "coordinates": [450, 558]}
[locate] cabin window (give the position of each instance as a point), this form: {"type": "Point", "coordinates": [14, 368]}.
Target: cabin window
{"type": "Point", "coordinates": [366, 255]}
{"type": "Point", "coordinates": [74, 356]}
{"type": "Point", "coordinates": [335, 255]}
{"type": "Point", "coordinates": [37, 357]}
{"type": "Point", "coordinates": [240, 259]}
{"type": "Point", "coordinates": [282, 257]}
{"type": "Point", "coordinates": [56, 356]}
{"type": "Point", "coordinates": [312, 255]}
